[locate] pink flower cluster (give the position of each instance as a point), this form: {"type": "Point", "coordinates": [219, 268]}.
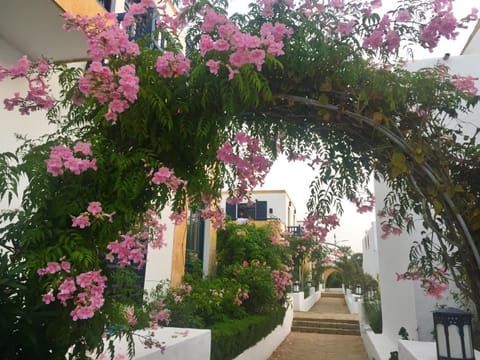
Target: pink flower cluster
{"type": "Point", "coordinates": [328, 261]}
{"type": "Point", "coordinates": [319, 227]}
{"type": "Point", "coordinates": [106, 356]}
{"type": "Point", "coordinates": [87, 297]}
{"type": "Point", "coordinates": [434, 285]}
{"type": "Point", "coordinates": [240, 296]}
{"type": "Point", "coordinates": [94, 209]}
{"type": "Point", "coordinates": [364, 204]}
{"type": "Point", "coordinates": [131, 250]}
{"type": "Point", "coordinates": [267, 5]}
{"type": "Point", "coordinates": [383, 37]}
{"type": "Point", "coordinates": [166, 176]}
{"type": "Point", "coordinates": [62, 158]}
{"type": "Point", "coordinates": [388, 226]}
{"type": "Point", "coordinates": [279, 240]}
{"type": "Point", "coordinates": [389, 229]}
{"type": "Point", "coordinates": [159, 315]}
{"type": "Point", "coordinates": [105, 36]}
{"type": "Point", "coordinates": [154, 230]}
{"type": "Point", "coordinates": [118, 90]}
{"type": "Point", "coordinates": [249, 164]}
{"type": "Point", "coordinates": [213, 212]}
{"type": "Point", "coordinates": [170, 65]}
{"type": "Point", "coordinates": [243, 48]}
{"type": "Point", "coordinates": [38, 94]}
{"type": "Point", "coordinates": [465, 84]}
{"type": "Point", "coordinates": [282, 279]}
{"type": "Point", "coordinates": [129, 313]}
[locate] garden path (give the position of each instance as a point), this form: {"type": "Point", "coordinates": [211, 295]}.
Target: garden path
{"type": "Point", "coordinates": [315, 346]}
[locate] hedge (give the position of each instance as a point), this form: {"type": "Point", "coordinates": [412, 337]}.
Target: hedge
{"type": "Point", "coordinates": [232, 337]}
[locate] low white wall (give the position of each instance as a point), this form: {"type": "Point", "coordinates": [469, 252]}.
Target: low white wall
{"type": "Point", "coordinates": [377, 346]}
{"type": "Point", "coordinates": [300, 303]}
{"type": "Point", "coordinates": [179, 344]}
{"type": "Point", "coordinates": [265, 347]}
{"type": "Point", "coordinates": [353, 302]}
{"type": "Point", "coordinates": [420, 350]}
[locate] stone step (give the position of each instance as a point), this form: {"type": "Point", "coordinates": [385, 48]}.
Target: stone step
{"type": "Point", "coordinates": [333, 294]}
{"type": "Point", "coordinates": [326, 330]}
{"type": "Point", "coordinates": [328, 324]}
{"type": "Point", "coordinates": [325, 319]}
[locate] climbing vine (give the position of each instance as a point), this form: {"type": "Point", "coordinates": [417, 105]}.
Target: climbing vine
{"type": "Point", "coordinates": [143, 127]}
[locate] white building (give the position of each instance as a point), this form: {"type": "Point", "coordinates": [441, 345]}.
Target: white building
{"type": "Point", "coordinates": [404, 303]}
{"type": "Point", "coordinates": [268, 205]}
{"type": "Point", "coordinates": [370, 253]}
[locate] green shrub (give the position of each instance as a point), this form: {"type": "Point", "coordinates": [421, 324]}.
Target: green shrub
{"type": "Point", "coordinates": [238, 243]}
{"type": "Point", "coordinates": [200, 303]}
{"type": "Point", "coordinates": [232, 337]}
{"type": "Point", "coordinates": [373, 311]}
{"type": "Point", "coordinates": [257, 278]}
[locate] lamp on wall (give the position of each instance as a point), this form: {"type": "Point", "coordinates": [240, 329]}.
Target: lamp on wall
{"type": "Point", "coordinates": [296, 287]}
{"type": "Point", "coordinates": [453, 334]}
{"type": "Point", "coordinates": [358, 289]}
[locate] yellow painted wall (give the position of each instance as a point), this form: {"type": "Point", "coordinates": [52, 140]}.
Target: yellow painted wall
{"type": "Point", "coordinates": [80, 7]}
{"type": "Point", "coordinates": [327, 273]}
{"type": "Point", "coordinates": [179, 251]}
{"type": "Point", "coordinates": [212, 255]}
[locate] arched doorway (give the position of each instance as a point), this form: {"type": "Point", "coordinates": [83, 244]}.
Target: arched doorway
{"type": "Point", "coordinates": [328, 273]}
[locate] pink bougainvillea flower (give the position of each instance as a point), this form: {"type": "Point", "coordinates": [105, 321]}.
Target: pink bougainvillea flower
{"type": "Point", "coordinates": [161, 175]}
{"type": "Point", "coordinates": [53, 267]}
{"type": "Point", "coordinates": [81, 221]}
{"type": "Point", "coordinates": [48, 297]}
{"type": "Point", "coordinates": [65, 265]}
{"type": "Point", "coordinates": [94, 207]}
{"type": "Point", "coordinates": [83, 147]}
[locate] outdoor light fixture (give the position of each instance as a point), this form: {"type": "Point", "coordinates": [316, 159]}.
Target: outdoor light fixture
{"type": "Point", "coordinates": [453, 334]}
{"type": "Point", "coordinates": [296, 287]}
{"type": "Point", "coordinates": [358, 289]}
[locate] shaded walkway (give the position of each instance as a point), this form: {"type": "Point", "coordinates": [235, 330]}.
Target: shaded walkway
{"type": "Point", "coordinates": [317, 346]}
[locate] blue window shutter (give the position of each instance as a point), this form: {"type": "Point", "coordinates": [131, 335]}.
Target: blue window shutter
{"type": "Point", "coordinates": [231, 210]}
{"type": "Point", "coordinates": [261, 210]}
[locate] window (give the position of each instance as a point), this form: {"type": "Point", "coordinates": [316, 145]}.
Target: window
{"type": "Point", "coordinates": [107, 4]}
{"type": "Point", "coordinates": [195, 242]}
{"type": "Point", "coordinates": [145, 27]}
{"type": "Point", "coordinates": [256, 211]}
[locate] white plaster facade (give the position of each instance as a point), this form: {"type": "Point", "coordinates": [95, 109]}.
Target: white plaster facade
{"type": "Point", "coordinates": [370, 253]}
{"type": "Point", "coordinates": [404, 302]}
{"type": "Point", "coordinates": [279, 205]}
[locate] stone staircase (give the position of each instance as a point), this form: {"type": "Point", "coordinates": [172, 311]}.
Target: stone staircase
{"type": "Point", "coordinates": [326, 326]}
{"type": "Point", "coordinates": [333, 294]}
{"type": "Point", "coordinates": [328, 316]}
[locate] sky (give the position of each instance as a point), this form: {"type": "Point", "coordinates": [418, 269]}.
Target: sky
{"type": "Point", "coordinates": [295, 177]}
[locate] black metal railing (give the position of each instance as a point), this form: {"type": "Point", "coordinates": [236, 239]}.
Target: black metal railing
{"type": "Point", "coordinates": [295, 230]}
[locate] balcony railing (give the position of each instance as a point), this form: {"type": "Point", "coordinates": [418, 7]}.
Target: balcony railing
{"type": "Point", "coordinates": [144, 29]}
{"type": "Point", "coordinates": [295, 230]}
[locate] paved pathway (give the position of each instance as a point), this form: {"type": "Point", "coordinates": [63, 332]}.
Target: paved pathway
{"type": "Point", "coordinates": [312, 346]}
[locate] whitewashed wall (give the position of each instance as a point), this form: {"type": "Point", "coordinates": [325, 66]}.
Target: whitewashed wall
{"type": "Point", "coordinates": [278, 200]}
{"type": "Point", "coordinates": [398, 298]}
{"type": "Point", "coordinates": [159, 261]}
{"type": "Point", "coordinates": [370, 252]}
{"type": "Point", "coordinates": [404, 303]}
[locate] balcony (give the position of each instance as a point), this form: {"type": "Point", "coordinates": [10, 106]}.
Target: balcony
{"type": "Point", "coordinates": [295, 230]}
